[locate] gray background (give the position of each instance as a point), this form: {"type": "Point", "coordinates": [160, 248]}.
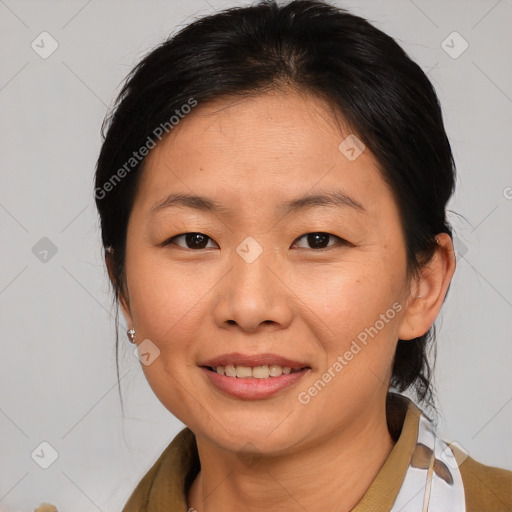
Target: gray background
{"type": "Point", "coordinates": [57, 377]}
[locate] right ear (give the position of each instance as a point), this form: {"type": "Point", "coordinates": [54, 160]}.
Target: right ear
{"type": "Point", "coordinates": [124, 303]}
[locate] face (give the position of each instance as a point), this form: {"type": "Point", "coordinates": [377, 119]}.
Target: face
{"type": "Point", "coordinates": [255, 274]}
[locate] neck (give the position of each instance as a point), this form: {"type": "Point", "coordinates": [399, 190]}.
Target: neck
{"type": "Point", "coordinates": [333, 474]}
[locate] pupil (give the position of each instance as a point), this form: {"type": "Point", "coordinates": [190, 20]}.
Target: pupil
{"type": "Point", "coordinates": [192, 238]}
{"type": "Point", "coordinates": [315, 239]}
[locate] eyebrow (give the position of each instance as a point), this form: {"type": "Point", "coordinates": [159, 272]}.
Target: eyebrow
{"type": "Point", "coordinates": [335, 198]}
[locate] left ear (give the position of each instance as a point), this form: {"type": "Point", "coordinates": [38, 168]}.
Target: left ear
{"type": "Point", "coordinates": [429, 290]}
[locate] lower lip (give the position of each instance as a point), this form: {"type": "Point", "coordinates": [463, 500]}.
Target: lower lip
{"type": "Point", "coordinates": [250, 388]}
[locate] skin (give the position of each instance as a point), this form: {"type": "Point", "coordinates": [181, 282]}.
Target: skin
{"type": "Point", "coordinates": [294, 300]}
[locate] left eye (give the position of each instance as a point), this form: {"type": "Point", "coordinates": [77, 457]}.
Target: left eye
{"type": "Point", "coordinates": [192, 240]}
{"type": "Point", "coordinates": [318, 240]}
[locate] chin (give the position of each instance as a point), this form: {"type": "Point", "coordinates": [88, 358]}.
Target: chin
{"type": "Point", "coordinates": [247, 436]}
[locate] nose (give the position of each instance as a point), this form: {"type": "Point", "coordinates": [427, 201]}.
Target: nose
{"type": "Point", "coordinates": [254, 294]}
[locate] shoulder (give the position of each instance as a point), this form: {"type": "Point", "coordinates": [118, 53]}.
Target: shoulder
{"type": "Point", "coordinates": [167, 478]}
{"type": "Point", "coordinates": [487, 488]}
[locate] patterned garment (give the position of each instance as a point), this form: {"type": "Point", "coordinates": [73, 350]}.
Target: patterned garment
{"type": "Point", "coordinates": [433, 482]}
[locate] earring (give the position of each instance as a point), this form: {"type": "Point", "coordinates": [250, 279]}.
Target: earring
{"type": "Point", "coordinates": [131, 335]}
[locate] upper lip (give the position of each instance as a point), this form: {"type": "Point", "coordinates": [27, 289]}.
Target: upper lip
{"type": "Point", "coordinates": [236, 358]}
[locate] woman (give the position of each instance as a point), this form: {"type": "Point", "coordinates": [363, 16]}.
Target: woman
{"type": "Point", "coordinates": [272, 190]}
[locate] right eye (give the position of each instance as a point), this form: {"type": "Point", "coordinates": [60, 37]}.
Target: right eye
{"type": "Point", "coordinates": [192, 240]}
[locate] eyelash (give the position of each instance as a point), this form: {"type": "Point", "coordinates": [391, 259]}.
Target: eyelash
{"type": "Point", "coordinates": [341, 240]}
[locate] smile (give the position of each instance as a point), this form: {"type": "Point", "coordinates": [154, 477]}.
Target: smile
{"type": "Point", "coordinates": [253, 383]}
{"type": "Point", "coordinates": [255, 372]}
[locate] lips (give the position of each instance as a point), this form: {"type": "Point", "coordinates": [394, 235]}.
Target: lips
{"type": "Point", "coordinates": [236, 358]}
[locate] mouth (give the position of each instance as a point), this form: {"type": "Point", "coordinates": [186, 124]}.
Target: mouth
{"type": "Point", "coordinates": [258, 366]}
{"type": "Point", "coordinates": [253, 383]}
{"type": "Point", "coordinates": [254, 372]}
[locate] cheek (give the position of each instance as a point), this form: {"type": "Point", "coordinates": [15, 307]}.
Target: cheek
{"type": "Point", "coordinates": [352, 296]}
{"type": "Point", "coordinates": [165, 298]}
{"type": "Point", "coordinates": [165, 304]}
{"type": "Point", "coordinates": [354, 312]}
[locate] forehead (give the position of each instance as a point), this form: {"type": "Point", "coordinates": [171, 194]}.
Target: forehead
{"type": "Point", "coordinates": [258, 148]}
{"type": "Point", "coordinates": [277, 124]}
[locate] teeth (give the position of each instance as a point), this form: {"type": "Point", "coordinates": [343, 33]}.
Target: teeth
{"type": "Point", "coordinates": [230, 370]}
{"type": "Point", "coordinates": [261, 372]}
{"type": "Point", "coordinates": [275, 371]}
{"type": "Point", "coordinates": [258, 372]}
{"type": "Point", "coordinates": [243, 371]}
